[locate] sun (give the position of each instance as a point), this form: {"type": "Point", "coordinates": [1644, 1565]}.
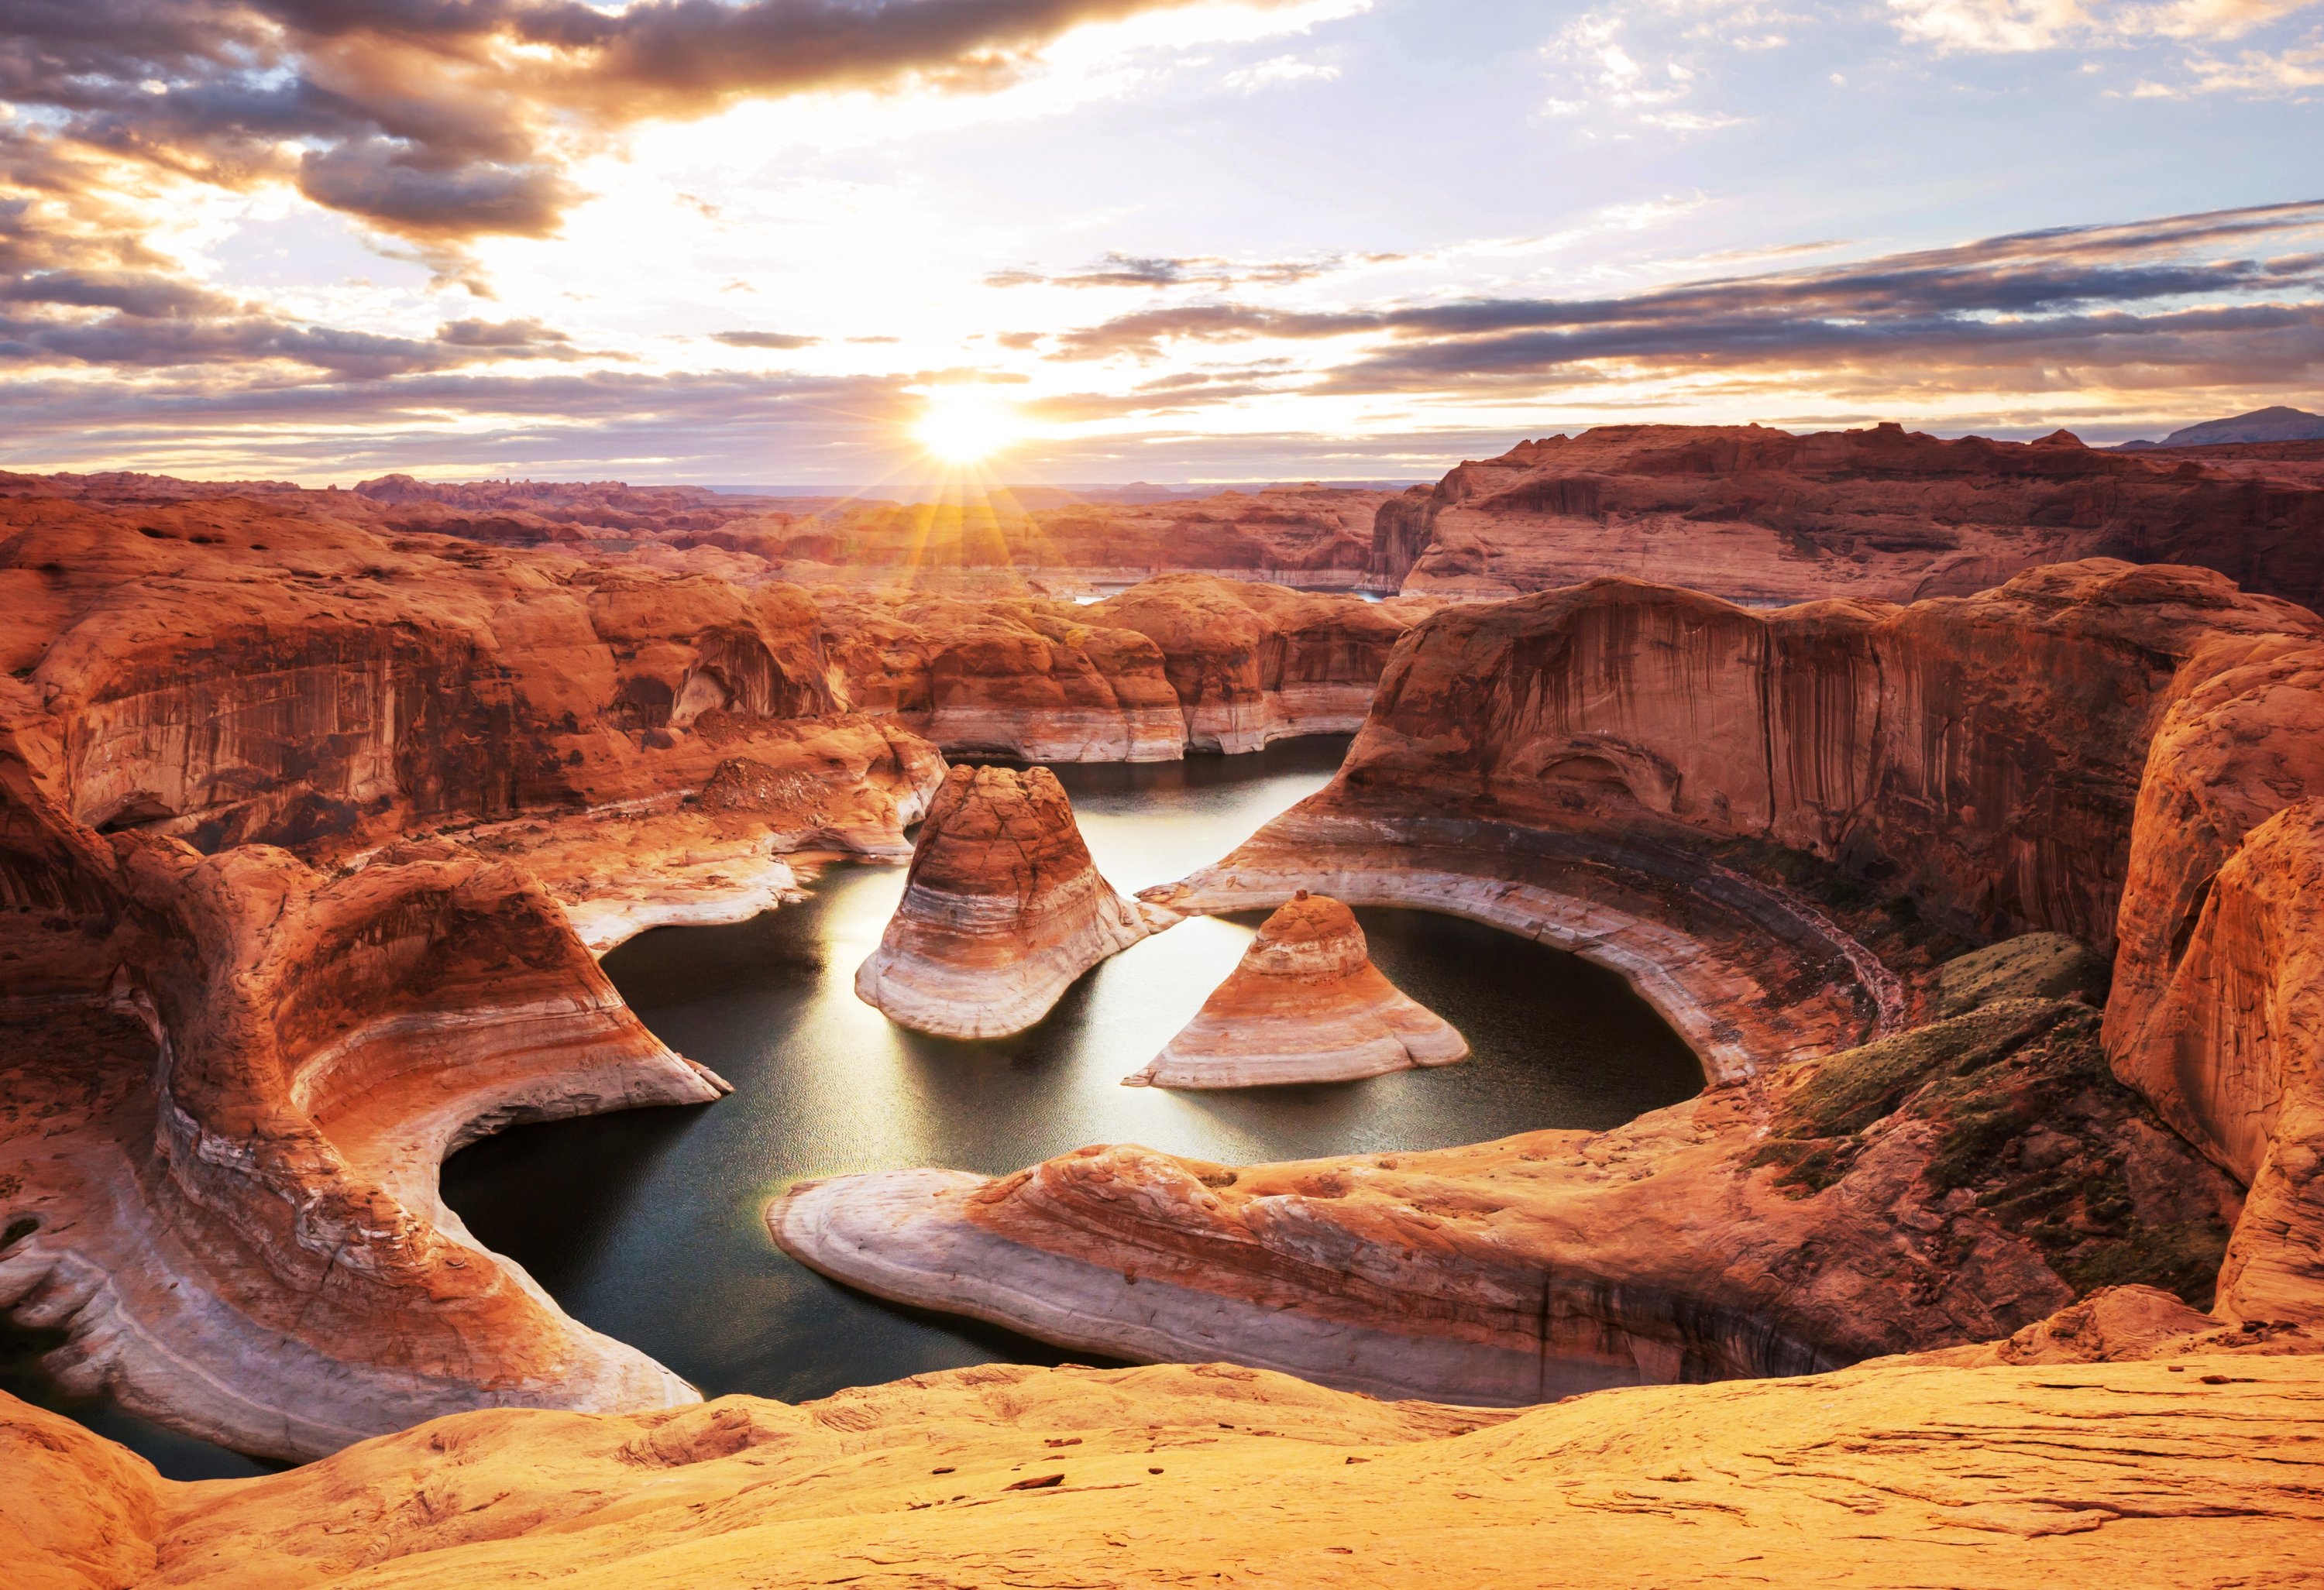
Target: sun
{"type": "Point", "coordinates": [966, 424]}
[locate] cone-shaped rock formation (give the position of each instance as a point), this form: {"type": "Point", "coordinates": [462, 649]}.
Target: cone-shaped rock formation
{"type": "Point", "coordinates": [1003, 909]}
{"type": "Point", "coordinates": [1305, 1004]}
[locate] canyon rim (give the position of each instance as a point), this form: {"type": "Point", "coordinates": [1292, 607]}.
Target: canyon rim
{"type": "Point", "coordinates": [1139, 793]}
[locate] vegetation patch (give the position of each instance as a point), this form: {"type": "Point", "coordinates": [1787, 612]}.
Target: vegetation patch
{"type": "Point", "coordinates": [2014, 1106]}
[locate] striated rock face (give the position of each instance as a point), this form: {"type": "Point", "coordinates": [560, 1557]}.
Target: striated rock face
{"type": "Point", "coordinates": [1952, 1184]}
{"type": "Point", "coordinates": [1251, 663]}
{"type": "Point", "coordinates": [306, 833]}
{"type": "Point", "coordinates": [1923, 1474]}
{"type": "Point", "coordinates": [1982, 754]}
{"type": "Point", "coordinates": [1002, 910]}
{"type": "Point", "coordinates": [1306, 1004]}
{"type": "Point", "coordinates": [1645, 777]}
{"type": "Point", "coordinates": [224, 1128]}
{"type": "Point", "coordinates": [1027, 678]}
{"type": "Point", "coordinates": [1762, 516]}
{"type": "Point", "coordinates": [1182, 662]}
{"type": "Point", "coordinates": [2216, 1012]}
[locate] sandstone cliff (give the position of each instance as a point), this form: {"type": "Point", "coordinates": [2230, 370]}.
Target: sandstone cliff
{"type": "Point", "coordinates": [1179, 663]}
{"type": "Point", "coordinates": [298, 824]}
{"type": "Point", "coordinates": [1306, 1004]}
{"type": "Point", "coordinates": [1762, 516]}
{"type": "Point", "coordinates": [1251, 663]}
{"type": "Point", "coordinates": [1001, 911]}
{"type": "Point", "coordinates": [1621, 769]}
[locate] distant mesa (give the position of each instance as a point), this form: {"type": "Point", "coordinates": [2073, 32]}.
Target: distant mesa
{"type": "Point", "coordinates": [1002, 910]}
{"type": "Point", "coordinates": [1305, 1004]}
{"type": "Point", "coordinates": [2279, 424]}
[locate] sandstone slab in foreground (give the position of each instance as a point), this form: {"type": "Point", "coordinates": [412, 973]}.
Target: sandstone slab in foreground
{"type": "Point", "coordinates": [1305, 1004]}
{"type": "Point", "coordinates": [2193, 1470]}
{"type": "Point", "coordinates": [1002, 910]}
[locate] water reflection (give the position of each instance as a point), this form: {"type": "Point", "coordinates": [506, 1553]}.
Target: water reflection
{"type": "Point", "coordinates": [647, 1226]}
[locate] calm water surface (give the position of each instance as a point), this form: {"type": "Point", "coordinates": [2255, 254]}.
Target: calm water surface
{"type": "Point", "coordinates": [646, 1224]}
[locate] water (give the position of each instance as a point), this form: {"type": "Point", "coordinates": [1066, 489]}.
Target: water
{"type": "Point", "coordinates": [647, 1225]}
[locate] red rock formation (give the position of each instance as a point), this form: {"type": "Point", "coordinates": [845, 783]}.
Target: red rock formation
{"type": "Point", "coordinates": [230, 1077]}
{"type": "Point", "coordinates": [1306, 1004]}
{"type": "Point", "coordinates": [1252, 663]}
{"type": "Point", "coordinates": [1581, 766]}
{"type": "Point", "coordinates": [1002, 910]}
{"type": "Point", "coordinates": [1024, 678]}
{"type": "Point", "coordinates": [1180, 662]}
{"type": "Point", "coordinates": [1981, 753]}
{"type": "Point", "coordinates": [1762, 516]}
{"type": "Point", "coordinates": [1305, 535]}
{"type": "Point", "coordinates": [1952, 1184]}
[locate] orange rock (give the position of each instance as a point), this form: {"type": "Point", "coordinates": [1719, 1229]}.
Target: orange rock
{"type": "Point", "coordinates": [1922, 1473]}
{"type": "Point", "coordinates": [1762, 516]}
{"type": "Point", "coordinates": [1251, 663]}
{"type": "Point", "coordinates": [1612, 768]}
{"type": "Point", "coordinates": [1952, 1184]}
{"type": "Point", "coordinates": [1002, 910]}
{"type": "Point", "coordinates": [1306, 1004]}
{"type": "Point", "coordinates": [416, 766]}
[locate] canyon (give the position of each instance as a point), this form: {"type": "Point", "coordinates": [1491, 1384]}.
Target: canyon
{"type": "Point", "coordinates": [311, 829]}
{"type": "Point", "coordinates": [314, 819]}
{"type": "Point", "coordinates": [1755, 816]}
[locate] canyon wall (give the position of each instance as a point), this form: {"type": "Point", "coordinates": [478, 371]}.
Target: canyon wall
{"type": "Point", "coordinates": [1179, 663]}
{"type": "Point", "coordinates": [1763, 515]}
{"type": "Point", "coordinates": [1982, 754]}
{"type": "Point", "coordinates": [1734, 808]}
{"type": "Point", "coordinates": [301, 826]}
{"type": "Point", "coordinates": [311, 820]}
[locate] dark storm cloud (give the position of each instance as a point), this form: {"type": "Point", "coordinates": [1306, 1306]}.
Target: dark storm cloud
{"type": "Point", "coordinates": [436, 119]}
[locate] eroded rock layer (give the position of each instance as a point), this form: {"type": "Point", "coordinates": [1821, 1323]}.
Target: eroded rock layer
{"type": "Point", "coordinates": [297, 823]}
{"type": "Point", "coordinates": [1762, 516]}
{"type": "Point", "coordinates": [1623, 770]}
{"type": "Point", "coordinates": [1180, 662]}
{"type": "Point", "coordinates": [1306, 1004]}
{"type": "Point", "coordinates": [1954, 1184]}
{"type": "Point", "coordinates": [1001, 911]}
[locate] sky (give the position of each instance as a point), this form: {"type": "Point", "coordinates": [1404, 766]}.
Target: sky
{"type": "Point", "coordinates": [832, 244]}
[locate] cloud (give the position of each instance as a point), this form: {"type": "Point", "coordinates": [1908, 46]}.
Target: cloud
{"type": "Point", "coordinates": [2021, 26]}
{"type": "Point", "coordinates": [780, 340]}
{"type": "Point", "coordinates": [444, 120]}
{"type": "Point", "coordinates": [1595, 71]}
{"type": "Point", "coordinates": [2155, 294]}
{"type": "Point", "coordinates": [1283, 68]}
{"type": "Point", "coordinates": [499, 334]}
{"type": "Point", "coordinates": [1146, 271]}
